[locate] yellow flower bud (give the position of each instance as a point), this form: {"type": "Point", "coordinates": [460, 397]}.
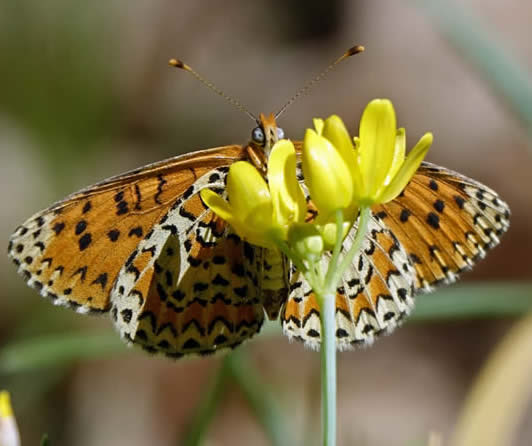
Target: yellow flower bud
{"type": "Point", "coordinates": [306, 241]}
{"type": "Point", "coordinates": [258, 212]}
{"type": "Point", "coordinates": [327, 175]}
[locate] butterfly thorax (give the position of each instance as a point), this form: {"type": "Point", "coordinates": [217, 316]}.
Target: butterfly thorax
{"type": "Point", "coordinates": [263, 138]}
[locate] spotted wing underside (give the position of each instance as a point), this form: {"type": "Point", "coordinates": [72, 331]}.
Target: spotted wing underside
{"type": "Point", "coordinates": [72, 252]}
{"type": "Point", "coordinates": [192, 285]}
{"type": "Point", "coordinates": [440, 225]}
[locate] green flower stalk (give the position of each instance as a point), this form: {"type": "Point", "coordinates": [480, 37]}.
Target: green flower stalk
{"type": "Point", "coordinates": [344, 177]}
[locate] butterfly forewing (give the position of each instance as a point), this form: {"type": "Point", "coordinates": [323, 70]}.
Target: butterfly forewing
{"type": "Point", "coordinates": [445, 221]}
{"type": "Point", "coordinates": [73, 251]}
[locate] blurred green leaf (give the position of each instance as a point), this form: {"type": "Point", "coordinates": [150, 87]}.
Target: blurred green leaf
{"type": "Point", "coordinates": [481, 48]}
{"type": "Point", "coordinates": [45, 441]}
{"type": "Point", "coordinates": [260, 399]}
{"type": "Point", "coordinates": [498, 299]}
{"type": "Point", "coordinates": [197, 430]}
{"type": "Point", "coordinates": [55, 350]}
{"type": "Point", "coordinates": [57, 81]}
{"type": "Point", "coordinates": [237, 370]}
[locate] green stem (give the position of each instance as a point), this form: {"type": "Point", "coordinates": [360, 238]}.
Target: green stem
{"type": "Point", "coordinates": [327, 301]}
{"type": "Point", "coordinates": [260, 401]}
{"type": "Point", "coordinates": [328, 367]}
{"type": "Point", "coordinates": [324, 286]}
{"type": "Point", "coordinates": [328, 341]}
{"type": "Point", "coordinates": [205, 413]}
{"type": "Point", "coordinates": [333, 264]}
{"type": "Point", "coordinates": [288, 252]}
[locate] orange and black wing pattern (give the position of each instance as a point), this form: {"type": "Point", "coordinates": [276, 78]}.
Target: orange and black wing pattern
{"type": "Point", "coordinates": [73, 251]}
{"type": "Point", "coordinates": [439, 226]}
{"type": "Point", "coordinates": [191, 285]}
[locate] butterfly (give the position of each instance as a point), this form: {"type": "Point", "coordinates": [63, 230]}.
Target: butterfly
{"type": "Point", "coordinates": [176, 279]}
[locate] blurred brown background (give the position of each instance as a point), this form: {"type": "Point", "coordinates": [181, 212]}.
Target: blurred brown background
{"type": "Point", "coordinates": [86, 93]}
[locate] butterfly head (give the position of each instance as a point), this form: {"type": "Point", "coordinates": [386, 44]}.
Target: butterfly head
{"type": "Point", "coordinates": [266, 134]}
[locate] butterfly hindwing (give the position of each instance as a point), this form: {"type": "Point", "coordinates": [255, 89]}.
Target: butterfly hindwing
{"type": "Point", "coordinates": [192, 285]}
{"type": "Point", "coordinates": [73, 251]}
{"type": "Point", "coordinates": [439, 226]}
{"type": "Point", "coordinates": [374, 295]}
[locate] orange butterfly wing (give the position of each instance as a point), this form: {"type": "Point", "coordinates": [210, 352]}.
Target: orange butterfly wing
{"type": "Point", "coordinates": [446, 222]}
{"type": "Point", "coordinates": [439, 226]}
{"type": "Point", "coordinates": [72, 252]}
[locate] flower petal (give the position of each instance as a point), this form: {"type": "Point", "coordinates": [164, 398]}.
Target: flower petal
{"type": "Point", "coordinates": [377, 144]}
{"type": "Point", "coordinates": [329, 230]}
{"type": "Point", "coordinates": [9, 434]}
{"type": "Point", "coordinates": [326, 174]}
{"type": "Point", "coordinates": [334, 130]}
{"type": "Point", "coordinates": [217, 204]}
{"type": "Point", "coordinates": [288, 199]}
{"type": "Point", "coordinates": [250, 209]}
{"type": "Point", "coordinates": [318, 125]}
{"type": "Point", "coordinates": [398, 155]}
{"type": "Point", "coordinates": [246, 189]}
{"type": "Point", "coordinates": [408, 169]}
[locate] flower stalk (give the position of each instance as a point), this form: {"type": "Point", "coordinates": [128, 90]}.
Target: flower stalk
{"type": "Point", "coordinates": [326, 295]}
{"type": "Point", "coordinates": [328, 367]}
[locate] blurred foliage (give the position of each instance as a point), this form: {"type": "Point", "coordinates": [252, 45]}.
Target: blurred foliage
{"type": "Point", "coordinates": [56, 78]}
{"type": "Point", "coordinates": [59, 85]}
{"type": "Point", "coordinates": [236, 370]}
{"type": "Point", "coordinates": [50, 356]}
{"type": "Point", "coordinates": [501, 392]}
{"type": "Point", "coordinates": [469, 301]}
{"type": "Point", "coordinates": [459, 302]}
{"type": "Point", "coordinates": [481, 48]}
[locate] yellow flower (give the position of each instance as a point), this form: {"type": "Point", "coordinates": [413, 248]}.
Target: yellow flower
{"type": "Point", "coordinates": [384, 171]}
{"type": "Point", "coordinates": [344, 177]}
{"type": "Point", "coordinates": [330, 167]}
{"type": "Point", "coordinates": [331, 174]}
{"type": "Point", "coordinates": [9, 435]}
{"type": "Point", "coordinates": [260, 212]}
{"type": "Point", "coordinates": [5, 405]}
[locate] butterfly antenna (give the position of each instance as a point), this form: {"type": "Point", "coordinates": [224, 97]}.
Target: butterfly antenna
{"type": "Point", "coordinates": [180, 64]}
{"type": "Point", "coordinates": [350, 52]}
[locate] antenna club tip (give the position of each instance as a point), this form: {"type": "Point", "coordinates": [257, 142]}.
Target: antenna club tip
{"type": "Point", "coordinates": [355, 50]}
{"type": "Point", "coordinates": [177, 63]}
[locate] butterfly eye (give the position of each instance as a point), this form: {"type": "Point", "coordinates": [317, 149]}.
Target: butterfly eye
{"type": "Point", "coordinates": [257, 135]}
{"type": "Point", "coordinates": [280, 133]}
